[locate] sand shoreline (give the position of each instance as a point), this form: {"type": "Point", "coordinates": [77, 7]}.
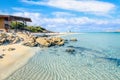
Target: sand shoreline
{"type": "Point", "coordinates": [15, 59]}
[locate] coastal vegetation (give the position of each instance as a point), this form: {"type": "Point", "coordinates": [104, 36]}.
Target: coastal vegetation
{"type": "Point", "coordinates": [21, 26]}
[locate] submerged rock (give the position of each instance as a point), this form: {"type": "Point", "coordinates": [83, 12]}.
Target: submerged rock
{"type": "Point", "coordinates": [115, 60]}
{"type": "Point", "coordinates": [70, 50]}
{"type": "Point", "coordinates": [73, 39]}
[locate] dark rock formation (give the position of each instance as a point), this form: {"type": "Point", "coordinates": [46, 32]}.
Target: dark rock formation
{"type": "Point", "coordinates": [70, 50]}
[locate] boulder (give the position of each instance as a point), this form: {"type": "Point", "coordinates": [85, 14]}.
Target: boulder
{"type": "Point", "coordinates": [23, 36]}
{"type": "Point", "coordinates": [26, 43]}
{"type": "Point", "coordinates": [1, 43]}
{"type": "Point", "coordinates": [60, 43]}
{"type": "Point", "coordinates": [32, 44]}
{"type": "Point", "coordinates": [9, 38]}
{"type": "Point", "coordinates": [56, 41]}
{"type": "Point", "coordinates": [16, 40]}
{"type": "Point", "coordinates": [43, 42]}
{"type": "Point", "coordinates": [2, 40]}
{"type": "Point", "coordinates": [66, 41]}
{"type": "Point", "coordinates": [30, 40]}
{"type": "Point", "coordinates": [1, 55]}
{"type": "Point", "coordinates": [11, 49]}
{"type": "Point", "coordinates": [3, 35]}
{"type": "Point", "coordinates": [70, 50]}
{"type": "Point", "coordinates": [73, 39]}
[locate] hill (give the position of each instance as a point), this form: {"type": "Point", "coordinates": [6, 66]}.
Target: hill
{"type": "Point", "coordinates": [34, 29]}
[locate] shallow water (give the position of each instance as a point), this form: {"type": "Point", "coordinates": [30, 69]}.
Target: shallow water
{"type": "Point", "coordinates": [96, 57]}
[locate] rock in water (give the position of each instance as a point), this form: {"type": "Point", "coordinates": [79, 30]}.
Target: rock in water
{"type": "Point", "coordinates": [56, 41]}
{"type": "Point", "coordinates": [43, 42]}
{"type": "Point", "coordinates": [70, 50]}
{"type": "Point", "coordinates": [61, 43]}
{"type": "Point", "coordinates": [73, 39]}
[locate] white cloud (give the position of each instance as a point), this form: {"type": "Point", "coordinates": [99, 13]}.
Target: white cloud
{"type": "Point", "coordinates": [63, 14]}
{"type": "Point", "coordinates": [87, 6]}
{"type": "Point", "coordinates": [34, 16]}
{"type": "Point", "coordinates": [72, 23]}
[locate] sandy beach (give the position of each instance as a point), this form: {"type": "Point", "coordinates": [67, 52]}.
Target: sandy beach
{"type": "Point", "coordinates": [13, 60]}
{"type": "Point", "coordinates": [14, 56]}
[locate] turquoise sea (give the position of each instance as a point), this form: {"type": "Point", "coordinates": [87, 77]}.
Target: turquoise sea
{"type": "Point", "coordinates": [96, 57]}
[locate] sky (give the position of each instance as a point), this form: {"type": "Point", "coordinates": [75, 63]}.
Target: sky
{"type": "Point", "coordinates": [67, 15]}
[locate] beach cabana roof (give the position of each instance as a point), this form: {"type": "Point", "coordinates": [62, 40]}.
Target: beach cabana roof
{"type": "Point", "coordinates": [15, 18]}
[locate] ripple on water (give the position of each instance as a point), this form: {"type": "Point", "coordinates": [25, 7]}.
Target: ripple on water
{"type": "Point", "coordinates": [46, 65]}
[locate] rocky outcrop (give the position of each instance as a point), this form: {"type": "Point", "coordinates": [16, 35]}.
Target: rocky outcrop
{"type": "Point", "coordinates": [57, 41]}
{"type": "Point", "coordinates": [30, 40]}
{"type": "Point", "coordinates": [43, 42]}
{"type": "Point", "coordinates": [8, 38]}
{"type": "Point", "coordinates": [47, 42]}
{"type": "Point", "coordinates": [3, 38]}
{"type": "Point", "coordinates": [17, 39]}
{"type": "Point", "coordinates": [13, 39]}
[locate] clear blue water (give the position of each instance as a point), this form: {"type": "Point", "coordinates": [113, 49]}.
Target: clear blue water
{"type": "Point", "coordinates": [96, 57]}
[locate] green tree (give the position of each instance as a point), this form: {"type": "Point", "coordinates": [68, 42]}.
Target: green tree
{"type": "Point", "coordinates": [17, 25]}
{"type": "Point", "coordinates": [21, 26]}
